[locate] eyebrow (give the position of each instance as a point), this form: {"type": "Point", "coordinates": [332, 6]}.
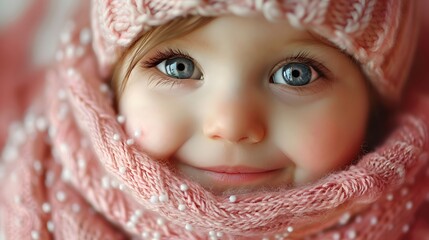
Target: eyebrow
{"type": "Point", "coordinates": [332, 45]}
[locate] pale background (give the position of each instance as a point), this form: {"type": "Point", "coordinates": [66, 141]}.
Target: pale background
{"type": "Point", "coordinates": [47, 37]}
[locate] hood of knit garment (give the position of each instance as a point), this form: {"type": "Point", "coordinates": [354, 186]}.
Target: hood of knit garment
{"type": "Point", "coordinates": [73, 173]}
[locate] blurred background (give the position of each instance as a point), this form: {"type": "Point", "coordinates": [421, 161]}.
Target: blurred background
{"type": "Point", "coordinates": [54, 14]}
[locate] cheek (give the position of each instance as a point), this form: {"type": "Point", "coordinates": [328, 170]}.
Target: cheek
{"type": "Point", "coordinates": [324, 138]}
{"type": "Point", "coordinates": [163, 127]}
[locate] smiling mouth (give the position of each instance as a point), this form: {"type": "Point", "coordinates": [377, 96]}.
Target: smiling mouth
{"type": "Point", "coordinates": [224, 177]}
{"type": "Point", "coordinates": [238, 178]}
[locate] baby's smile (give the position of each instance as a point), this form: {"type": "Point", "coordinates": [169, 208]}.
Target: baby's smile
{"type": "Point", "coordinates": [236, 178]}
{"type": "Point", "coordinates": [228, 174]}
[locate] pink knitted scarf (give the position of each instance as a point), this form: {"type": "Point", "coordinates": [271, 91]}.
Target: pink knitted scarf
{"type": "Point", "coordinates": [73, 173]}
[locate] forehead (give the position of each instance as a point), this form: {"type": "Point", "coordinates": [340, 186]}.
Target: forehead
{"type": "Point", "coordinates": [253, 30]}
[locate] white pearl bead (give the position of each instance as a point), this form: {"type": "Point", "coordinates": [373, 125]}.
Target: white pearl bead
{"type": "Point", "coordinates": [114, 183]}
{"type": "Point", "coordinates": [183, 187]}
{"type": "Point", "coordinates": [120, 119]}
{"type": "Point", "coordinates": [49, 180]}
{"type": "Point", "coordinates": [188, 227]}
{"type": "Point", "coordinates": [46, 207]}
{"type": "Point", "coordinates": [130, 225]}
{"type": "Point", "coordinates": [17, 199]}
{"type": "Point", "coordinates": [35, 235]}
{"type": "Point", "coordinates": [163, 198]}
{"type": "Point", "coordinates": [71, 72]}
{"type": "Point", "coordinates": [290, 229]}
{"type": "Point", "coordinates": [41, 124]}
{"type": "Point", "coordinates": [409, 205]}
{"type": "Point", "coordinates": [116, 137]}
{"type": "Point", "coordinates": [81, 163]}
{"type": "Point", "coordinates": [104, 88]}
{"type": "Point", "coordinates": [336, 236]}
{"type": "Point", "coordinates": [345, 218]}
{"type": "Point", "coordinates": [358, 219]}
{"type": "Point", "coordinates": [138, 213]}
{"type": "Point", "coordinates": [130, 142]}
{"type": "Point", "coordinates": [37, 165]}
{"type": "Point", "coordinates": [351, 234]}
{"type": "Point", "coordinates": [145, 234]}
{"type": "Point", "coordinates": [50, 226]}
{"type": "Point", "coordinates": [137, 133]}
{"type": "Point", "coordinates": [389, 197]}
{"type": "Point", "coordinates": [405, 228]}
{"type": "Point", "coordinates": [105, 182]}
{"type": "Point", "coordinates": [70, 51]}
{"type": "Point", "coordinates": [232, 198]}
{"type": "Point", "coordinates": [66, 175]}
{"type": "Point", "coordinates": [401, 171]}
{"type": "Point", "coordinates": [182, 207]}
{"type": "Point", "coordinates": [64, 147]}
{"type": "Point", "coordinates": [134, 219]}
{"type": "Point", "coordinates": [157, 235]}
{"type": "Point", "coordinates": [61, 196]}
{"type": "Point", "coordinates": [85, 36]}
{"type": "Point", "coordinates": [374, 221]}
{"type": "Point", "coordinates": [154, 199]}
{"type": "Point", "coordinates": [160, 221]}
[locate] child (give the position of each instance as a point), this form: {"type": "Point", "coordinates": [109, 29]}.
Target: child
{"type": "Point", "coordinates": [224, 120]}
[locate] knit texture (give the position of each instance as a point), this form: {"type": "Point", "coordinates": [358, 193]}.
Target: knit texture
{"type": "Point", "coordinates": [71, 172]}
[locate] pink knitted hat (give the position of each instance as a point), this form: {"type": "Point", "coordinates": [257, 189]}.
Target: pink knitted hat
{"type": "Point", "coordinates": [377, 33]}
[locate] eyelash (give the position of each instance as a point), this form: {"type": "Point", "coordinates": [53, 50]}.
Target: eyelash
{"type": "Point", "coordinates": [164, 55]}
{"type": "Point", "coordinates": [303, 57]}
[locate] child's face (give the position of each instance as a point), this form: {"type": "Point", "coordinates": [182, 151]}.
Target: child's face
{"type": "Point", "coordinates": [242, 104]}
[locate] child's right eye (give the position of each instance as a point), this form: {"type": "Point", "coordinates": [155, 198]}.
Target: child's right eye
{"type": "Point", "coordinates": [295, 74]}
{"type": "Point", "coordinates": [179, 68]}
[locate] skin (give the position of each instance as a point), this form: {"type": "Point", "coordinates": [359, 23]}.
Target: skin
{"type": "Point", "coordinates": [220, 130]}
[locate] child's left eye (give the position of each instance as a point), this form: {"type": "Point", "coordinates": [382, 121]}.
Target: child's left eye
{"type": "Point", "coordinates": [295, 74]}
{"type": "Point", "coordinates": [179, 68]}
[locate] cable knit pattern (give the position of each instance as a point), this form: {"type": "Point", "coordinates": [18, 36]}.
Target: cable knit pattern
{"type": "Point", "coordinates": [71, 171]}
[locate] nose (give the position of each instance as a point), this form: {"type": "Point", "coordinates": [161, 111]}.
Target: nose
{"type": "Point", "coordinates": [234, 122]}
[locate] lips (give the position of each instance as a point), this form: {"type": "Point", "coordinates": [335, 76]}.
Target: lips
{"type": "Point", "coordinates": [235, 170]}
{"type": "Point", "coordinates": [235, 176]}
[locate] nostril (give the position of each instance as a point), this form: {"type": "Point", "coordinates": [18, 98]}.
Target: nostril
{"type": "Point", "coordinates": [216, 137]}
{"type": "Point", "coordinates": [243, 140]}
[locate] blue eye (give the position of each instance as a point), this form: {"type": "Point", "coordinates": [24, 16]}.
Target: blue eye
{"type": "Point", "coordinates": [295, 74]}
{"type": "Point", "coordinates": [180, 68]}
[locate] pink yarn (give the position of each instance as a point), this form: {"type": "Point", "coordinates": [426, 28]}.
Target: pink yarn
{"type": "Point", "coordinates": [72, 174]}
